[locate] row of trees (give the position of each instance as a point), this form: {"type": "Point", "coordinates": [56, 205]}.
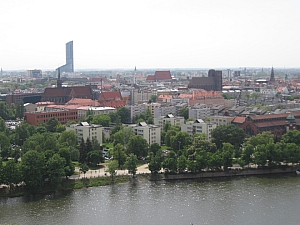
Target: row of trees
{"type": "Point", "coordinates": [11, 112]}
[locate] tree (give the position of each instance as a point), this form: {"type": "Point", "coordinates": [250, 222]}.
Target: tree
{"type": "Point", "coordinates": [292, 136]}
{"type": "Point", "coordinates": [184, 112]}
{"type": "Point", "coordinates": [153, 98]}
{"type": "Point", "coordinates": [4, 146]}
{"type": "Point", "coordinates": [131, 164]}
{"type": "Point", "coordinates": [155, 147]}
{"type": "Point", "coordinates": [60, 128]}
{"type": "Point", "coordinates": [155, 162]}
{"type": "Point", "coordinates": [20, 110]}
{"type": "Point", "coordinates": [95, 157]}
{"type": "Point", "coordinates": [33, 170]}
{"type": "Point", "coordinates": [119, 154]}
{"type": "Point", "coordinates": [12, 174]}
{"type": "Point", "coordinates": [55, 167]}
{"type": "Point", "coordinates": [181, 163]}
{"type": "Point", "coordinates": [114, 117]}
{"type": "Point", "coordinates": [95, 144]}
{"type": "Point", "coordinates": [180, 140]}
{"type": "Point", "coordinates": [228, 134]}
{"type": "Point", "coordinates": [84, 168]}
{"type": "Point", "coordinates": [138, 146]}
{"type": "Point", "coordinates": [51, 124]}
{"type": "Point", "coordinates": [118, 138]}
{"type": "Point", "coordinates": [69, 137]}
{"type": "Point", "coordinates": [101, 119]}
{"type": "Point", "coordinates": [2, 125]}
{"type": "Point", "coordinates": [65, 153]}
{"type": "Point", "coordinates": [82, 151]}
{"type": "Point", "coordinates": [112, 169]}
{"type": "Point", "coordinates": [227, 155]}
{"type": "Point", "coordinates": [124, 114]}
{"type": "Point", "coordinates": [170, 163]}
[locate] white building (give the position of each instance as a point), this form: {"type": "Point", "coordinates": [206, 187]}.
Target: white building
{"type": "Point", "coordinates": [164, 110]}
{"type": "Point", "coordinates": [198, 127]}
{"type": "Point", "coordinates": [136, 109]}
{"type": "Point", "coordinates": [174, 121]}
{"type": "Point", "coordinates": [85, 130]}
{"type": "Point", "coordinates": [221, 120]}
{"type": "Point", "coordinates": [151, 133]}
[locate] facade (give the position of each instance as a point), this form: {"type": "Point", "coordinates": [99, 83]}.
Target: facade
{"type": "Point", "coordinates": [111, 99]}
{"type": "Point", "coordinates": [272, 77]}
{"type": "Point", "coordinates": [85, 131]}
{"type": "Point", "coordinates": [136, 109]}
{"type": "Point", "coordinates": [23, 97]}
{"type": "Point", "coordinates": [63, 116]}
{"type": "Point", "coordinates": [199, 111]}
{"type": "Point", "coordinates": [211, 83]}
{"type": "Point", "coordinates": [160, 76]}
{"type": "Point", "coordinates": [221, 120]}
{"type": "Point", "coordinates": [82, 111]}
{"type": "Point", "coordinates": [34, 73]}
{"type": "Point", "coordinates": [174, 121]}
{"type": "Point", "coordinates": [151, 133]}
{"type": "Point", "coordinates": [164, 110]}
{"type": "Point", "coordinates": [69, 66]}
{"type": "Point", "coordinates": [198, 127]}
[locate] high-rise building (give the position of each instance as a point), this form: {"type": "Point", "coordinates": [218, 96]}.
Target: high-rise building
{"type": "Point", "coordinates": [69, 66]}
{"type": "Point", "coordinates": [272, 77]}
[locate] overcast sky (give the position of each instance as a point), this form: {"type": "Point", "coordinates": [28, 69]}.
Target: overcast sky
{"type": "Point", "coordinates": [150, 33]}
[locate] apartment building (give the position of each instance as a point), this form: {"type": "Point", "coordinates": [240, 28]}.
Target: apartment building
{"type": "Point", "coordinates": [199, 111]}
{"type": "Point", "coordinates": [136, 109]}
{"type": "Point", "coordinates": [85, 130]}
{"type": "Point", "coordinates": [198, 127]}
{"type": "Point", "coordinates": [174, 121]}
{"type": "Point", "coordinates": [221, 120]}
{"type": "Point", "coordinates": [151, 133]}
{"type": "Point", "coordinates": [82, 111]}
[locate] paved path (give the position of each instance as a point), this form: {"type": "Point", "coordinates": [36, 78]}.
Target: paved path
{"type": "Point", "coordinates": [101, 172]}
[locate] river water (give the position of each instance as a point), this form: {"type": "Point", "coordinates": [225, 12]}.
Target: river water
{"type": "Point", "coordinates": [247, 200]}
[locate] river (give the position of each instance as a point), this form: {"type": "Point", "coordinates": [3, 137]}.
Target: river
{"type": "Point", "coordinates": [246, 200]}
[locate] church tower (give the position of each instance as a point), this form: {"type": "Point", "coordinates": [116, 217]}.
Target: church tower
{"type": "Point", "coordinates": [272, 77]}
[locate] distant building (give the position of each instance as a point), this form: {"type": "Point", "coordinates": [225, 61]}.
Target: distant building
{"type": "Point", "coordinates": [85, 131]}
{"type": "Point", "coordinates": [174, 121]}
{"type": "Point", "coordinates": [69, 66]}
{"type": "Point", "coordinates": [111, 99]}
{"type": "Point", "coordinates": [83, 110]}
{"type": "Point", "coordinates": [160, 76]}
{"type": "Point", "coordinates": [211, 83]}
{"type": "Point", "coordinates": [199, 111]}
{"type": "Point", "coordinates": [221, 120]}
{"type": "Point", "coordinates": [34, 73]}
{"type": "Point", "coordinates": [272, 77]}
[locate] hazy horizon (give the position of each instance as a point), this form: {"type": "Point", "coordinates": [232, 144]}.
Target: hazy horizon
{"type": "Point", "coordinates": [150, 34]}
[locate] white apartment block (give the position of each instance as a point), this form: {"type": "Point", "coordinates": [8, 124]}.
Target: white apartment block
{"type": "Point", "coordinates": [85, 130]}
{"type": "Point", "coordinates": [199, 111]}
{"type": "Point", "coordinates": [174, 121]}
{"type": "Point", "coordinates": [152, 106]}
{"type": "Point", "coordinates": [151, 133]}
{"type": "Point", "coordinates": [221, 120]}
{"type": "Point", "coordinates": [82, 111]}
{"type": "Point", "coordinates": [198, 127]}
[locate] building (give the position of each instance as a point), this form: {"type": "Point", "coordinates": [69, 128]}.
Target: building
{"type": "Point", "coordinates": [111, 99]}
{"type": "Point", "coordinates": [174, 121]}
{"type": "Point", "coordinates": [151, 133]}
{"type": "Point", "coordinates": [211, 83]}
{"type": "Point", "coordinates": [203, 97]}
{"type": "Point", "coordinates": [34, 73]}
{"type": "Point", "coordinates": [198, 127]}
{"type": "Point", "coordinates": [272, 77]}
{"type": "Point", "coordinates": [23, 97]}
{"type": "Point", "coordinates": [83, 110]}
{"type": "Point", "coordinates": [136, 110]}
{"type": "Point", "coordinates": [69, 66]}
{"type": "Point", "coordinates": [85, 131]}
{"type": "Point", "coordinates": [221, 120]}
{"type": "Point", "coordinates": [164, 110]}
{"type": "Point", "coordinates": [63, 116]}
{"type": "Point", "coordinates": [199, 111]}
{"type": "Point", "coordinates": [160, 76]}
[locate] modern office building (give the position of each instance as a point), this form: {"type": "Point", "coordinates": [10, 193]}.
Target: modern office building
{"type": "Point", "coordinates": [69, 66]}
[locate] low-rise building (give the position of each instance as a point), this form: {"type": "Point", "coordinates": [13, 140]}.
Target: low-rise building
{"type": "Point", "coordinates": [221, 120]}
{"type": "Point", "coordinates": [82, 111]}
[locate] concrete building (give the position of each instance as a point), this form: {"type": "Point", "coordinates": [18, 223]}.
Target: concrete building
{"type": "Point", "coordinates": [151, 133]}
{"type": "Point", "coordinates": [199, 111]}
{"type": "Point", "coordinates": [174, 121]}
{"type": "Point", "coordinates": [213, 82]}
{"type": "Point", "coordinates": [164, 110]}
{"type": "Point", "coordinates": [34, 73]}
{"type": "Point", "coordinates": [198, 127]}
{"type": "Point", "coordinates": [85, 131]}
{"type": "Point", "coordinates": [136, 109]}
{"type": "Point", "coordinates": [82, 111]}
{"type": "Point", "coordinates": [221, 120]}
{"type": "Point", "coordinates": [69, 66]}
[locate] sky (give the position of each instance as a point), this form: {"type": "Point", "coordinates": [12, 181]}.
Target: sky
{"type": "Point", "coordinates": [122, 34]}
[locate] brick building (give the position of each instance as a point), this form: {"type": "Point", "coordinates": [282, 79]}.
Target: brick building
{"type": "Point", "coordinates": [213, 82]}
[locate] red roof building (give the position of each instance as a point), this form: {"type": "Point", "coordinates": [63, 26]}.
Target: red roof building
{"type": "Point", "coordinates": [160, 76]}
{"type": "Point", "coordinates": [111, 99]}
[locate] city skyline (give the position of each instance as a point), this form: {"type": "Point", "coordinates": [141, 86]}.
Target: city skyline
{"type": "Point", "coordinates": [150, 34]}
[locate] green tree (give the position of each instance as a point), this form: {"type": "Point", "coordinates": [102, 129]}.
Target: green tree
{"type": "Point", "coordinates": [33, 170]}
{"type": "Point", "coordinates": [2, 125]}
{"type": "Point", "coordinates": [131, 164]}
{"type": "Point", "coordinates": [184, 112]}
{"type": "Point", "coordinates": [155, 147]}
{"type": "Point", "coordinates": [101, 119]}
{"type": "Point", "coordinates": [95, 157]}
{"type": "Point", "coordinates": [170, 163]}
{"type": "Point", "coordinates": [181, 163]}
{"type": "Point", "coordinates": [138, 146]}
{"type": "Point", "coordinates": [20, 109]}
{"type": "Point", "coordinates": [153, 98]}
{"type": "Point", "coordinates": [82, 151]}
{"type": "Point", "coordinates": [84, 168]}
{"type": "Point", "coordinates": [180, 140]}
{"type": "Point", "coordinates": [227, 155]}
{"type": "Point", "coordinates": [119, 154]}
{"type": "Point", "coordinates": [112, 169]}
{"type": "Point", "coordinates": [65, 153]}
{"type": "Point", "coordinates": [292, 136]}
{"type": "Point", "coordinates": [228, 134]}
{"type": "Point", "coordinates": [155, 162]}
{"type": "Point", "coordinates": [51, 124]}
{"type": "Point", "coordinates": [124, 114]}
{"type": "Point", "coordinates": [12, 174]}
{"type": "Point", "coordinates": [69, 137]}
{"type": "Point", "coordinates": [60, 128]}
{"type": "Point", "coordinates": [55, 168]}
{"type": "Point", "coordinates": [4, 146]}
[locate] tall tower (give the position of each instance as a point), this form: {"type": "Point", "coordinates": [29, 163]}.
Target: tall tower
{"type": "Point", "coordinates": [69, 66]}
{"type": "Point", "coordinates": [272, 77]}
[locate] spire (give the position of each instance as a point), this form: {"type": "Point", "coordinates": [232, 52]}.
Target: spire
{"type": "Point", "coordinates": [272, 78]}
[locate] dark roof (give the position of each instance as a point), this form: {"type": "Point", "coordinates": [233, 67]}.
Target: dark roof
{"type": "Point", "coordinates": [111, 95]}
{"type": "Point", "coordinates": [160, 76]}
{"type": "Point", "coordinates": [202, 81]}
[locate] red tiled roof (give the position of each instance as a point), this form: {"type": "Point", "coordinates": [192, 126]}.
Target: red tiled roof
{"type": "Point", "coordinates": [270, 124]}
{"type": "Point", "coordinates": [111, 95]}
{"type": "Point", "coordinates": [82, 102]}
{"type": "Point", "coordinates": [160, 76]}
{"type": "Point", "coordinates": [239, 119]}
{"type": "Point", "coordinates": [273, 116]}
